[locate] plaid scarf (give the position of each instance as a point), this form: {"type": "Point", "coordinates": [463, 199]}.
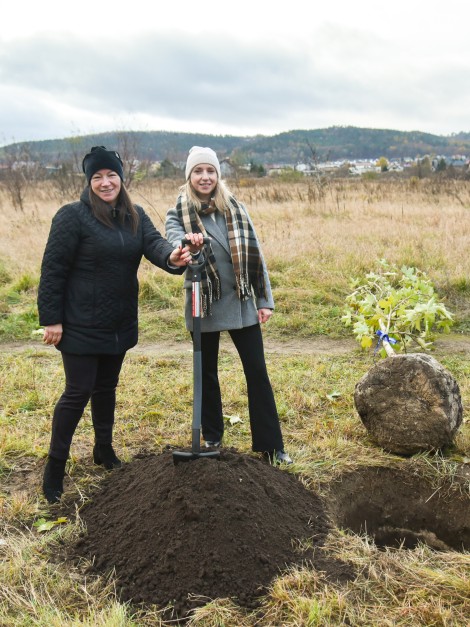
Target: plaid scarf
{"type": "Point", "coordinates": [244, 250]}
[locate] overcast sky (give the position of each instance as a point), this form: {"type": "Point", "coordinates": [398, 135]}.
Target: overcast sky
{"type": "Point", "coordinates": [244, 67]}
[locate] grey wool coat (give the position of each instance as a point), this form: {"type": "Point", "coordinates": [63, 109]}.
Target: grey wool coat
{"type": "Point", "coordinates": [229, 312]}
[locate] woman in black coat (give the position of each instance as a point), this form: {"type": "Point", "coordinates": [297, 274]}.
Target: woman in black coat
{"type": "Point", "coordinates": [88, 300]}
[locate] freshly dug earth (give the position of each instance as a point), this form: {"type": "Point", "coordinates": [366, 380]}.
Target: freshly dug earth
{"type": "Point", "coordinates": [403, 506]}
{"type": "Point", "coordinates": [213, 528]}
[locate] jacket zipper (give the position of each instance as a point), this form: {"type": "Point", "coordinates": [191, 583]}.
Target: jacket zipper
{"type": "Point", "coordinates": [120, 301]}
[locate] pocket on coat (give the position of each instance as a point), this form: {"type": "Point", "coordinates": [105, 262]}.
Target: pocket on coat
{"type": "Point", "coordinates": [80, 302]}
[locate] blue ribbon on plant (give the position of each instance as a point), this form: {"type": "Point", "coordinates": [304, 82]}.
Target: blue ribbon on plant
{"type": "Point", "coordinates": [383, 337]}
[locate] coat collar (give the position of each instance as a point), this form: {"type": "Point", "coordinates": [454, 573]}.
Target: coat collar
{"type": "Point", "coordinates": [214, 230]}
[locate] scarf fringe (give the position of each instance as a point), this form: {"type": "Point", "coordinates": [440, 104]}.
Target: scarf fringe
{"type": "Point", "coordinates": [210, 291]}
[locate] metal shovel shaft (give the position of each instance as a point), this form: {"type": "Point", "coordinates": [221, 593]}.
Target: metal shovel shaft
{"type": "Point", "coordinates": [197, 371]}
{"type": "Point", "coordinates": [197, 368]}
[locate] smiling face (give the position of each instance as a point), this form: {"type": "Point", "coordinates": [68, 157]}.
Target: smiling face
{"type": "Point", "coordinates": [203, 178]}
{"type": "Point", "coordinates": [106, 184]}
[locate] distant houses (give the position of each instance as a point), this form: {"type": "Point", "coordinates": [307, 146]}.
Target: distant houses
{"type": "Point", "coordinates": [339, 168]}
{"type": "Point", "coordinates": [444, 162]}
{"type": "Point", "coordinates": [358, 167]}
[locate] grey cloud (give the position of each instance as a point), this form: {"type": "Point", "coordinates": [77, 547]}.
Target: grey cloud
{"type": "Point", "coordinates": [221, 79]}
{"type": "Point", "coordinates": [21, 115]}
{"type": "Point", "coordinates": [175, 76]}
{"type": "Point", "coordinates": [160, 76]}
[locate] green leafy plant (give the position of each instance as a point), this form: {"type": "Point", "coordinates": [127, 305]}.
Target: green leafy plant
{"type": "Point", "coordinates": [397, 308]}
{"type": "Point", "coordinates": [46, 525]}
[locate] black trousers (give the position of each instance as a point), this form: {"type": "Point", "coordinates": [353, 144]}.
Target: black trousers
{"type": "Point", "coordinates": [87, 377]}
{"type": "Point", "coordinates": [264, 420]}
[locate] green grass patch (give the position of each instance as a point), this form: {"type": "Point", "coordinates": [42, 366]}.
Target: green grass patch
{"type": "Point", "coordinates": [323, 433]}
{"type": "Point", "coordinates": [308, 302]}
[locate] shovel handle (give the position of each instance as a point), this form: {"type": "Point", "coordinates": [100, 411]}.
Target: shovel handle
{"type": "Point", "coordinates": [199, 261]}
{"type": "Point", "coordinates": [186, 242]}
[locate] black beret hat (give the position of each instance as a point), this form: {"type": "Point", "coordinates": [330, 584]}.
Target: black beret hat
{"type": "Point", "coordinates": [99, 158]}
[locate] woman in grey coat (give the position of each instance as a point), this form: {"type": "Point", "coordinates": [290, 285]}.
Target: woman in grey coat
{"type": "Point", "coordinates": [235, 297]}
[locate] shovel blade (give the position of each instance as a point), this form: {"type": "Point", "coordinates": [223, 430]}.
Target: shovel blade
{"type": "Point", "coordinates": [187, 456]}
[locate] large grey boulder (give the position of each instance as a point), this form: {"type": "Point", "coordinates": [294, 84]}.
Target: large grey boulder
{"type": "Point", "coordinates": [409, 403]}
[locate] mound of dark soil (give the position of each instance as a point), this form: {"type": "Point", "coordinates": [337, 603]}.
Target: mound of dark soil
{"type": "Point", "coordinates": [213, 528]}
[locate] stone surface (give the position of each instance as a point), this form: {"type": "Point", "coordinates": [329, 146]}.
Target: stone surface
{"type": "Point", "coordinates": [409, 403]}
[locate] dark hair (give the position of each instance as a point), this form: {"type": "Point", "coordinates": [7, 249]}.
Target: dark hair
{"type": "Point", "coordinates": [124, 210]}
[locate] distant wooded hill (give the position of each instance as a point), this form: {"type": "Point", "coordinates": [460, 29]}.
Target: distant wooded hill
{"type": "Point", "coordinates": [334, 143]}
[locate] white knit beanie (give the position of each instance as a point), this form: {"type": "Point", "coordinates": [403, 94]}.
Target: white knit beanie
{"type": "Point", "coordinates": [198, 155]}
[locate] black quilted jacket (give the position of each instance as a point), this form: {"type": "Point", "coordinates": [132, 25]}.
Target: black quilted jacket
{"type": "Point", "coordinates": [89, 278]}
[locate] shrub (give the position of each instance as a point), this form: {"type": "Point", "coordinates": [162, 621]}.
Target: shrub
{"type": "Point", "coordinates": [399, 306]}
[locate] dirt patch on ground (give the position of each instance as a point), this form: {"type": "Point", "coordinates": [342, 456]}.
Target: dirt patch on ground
{"type": "Point", "coordinates": [180, 535]}
{"type": "Point", "coordinates": [400, 507]}
{"type": "Point", "coordinates": [318, 345]}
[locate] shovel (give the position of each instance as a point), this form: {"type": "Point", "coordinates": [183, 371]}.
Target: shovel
{"type": "Point", "coordinates": [196, 267]}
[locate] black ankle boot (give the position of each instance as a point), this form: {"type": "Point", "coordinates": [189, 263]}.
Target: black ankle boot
{"type": "Point", "coordinates": [104, 454]}
{"type": "Point", "coordinates": [53, 481]}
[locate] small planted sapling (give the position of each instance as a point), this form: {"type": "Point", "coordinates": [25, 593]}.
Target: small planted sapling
{"type": "Point", "coordinates": [396, 308]}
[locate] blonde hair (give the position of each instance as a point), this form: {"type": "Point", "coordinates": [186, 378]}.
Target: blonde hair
{"type": "Point", "coordinates": [221, 195]}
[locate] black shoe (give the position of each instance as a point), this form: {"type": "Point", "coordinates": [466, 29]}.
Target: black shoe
{"type": "Point", "coordinates": [212, 443]}
{"type": "Point", "coordinates": [277, 457]}
{"type": "Point", "coordinates": [53, 480]}
{"type": "Point", "coordinates": [103, 454]}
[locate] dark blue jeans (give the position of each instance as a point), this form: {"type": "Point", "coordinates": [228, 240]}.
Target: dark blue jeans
{"type": "Point", "coordinates": [87, 377]}
{"type": "Point", "coordinates": [264, 420]}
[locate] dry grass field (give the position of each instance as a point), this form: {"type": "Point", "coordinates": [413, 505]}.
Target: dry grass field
{"type": "Point", "coordinates": [345, 224]}
{"type": "Point", "coordinates": [316, 236]}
